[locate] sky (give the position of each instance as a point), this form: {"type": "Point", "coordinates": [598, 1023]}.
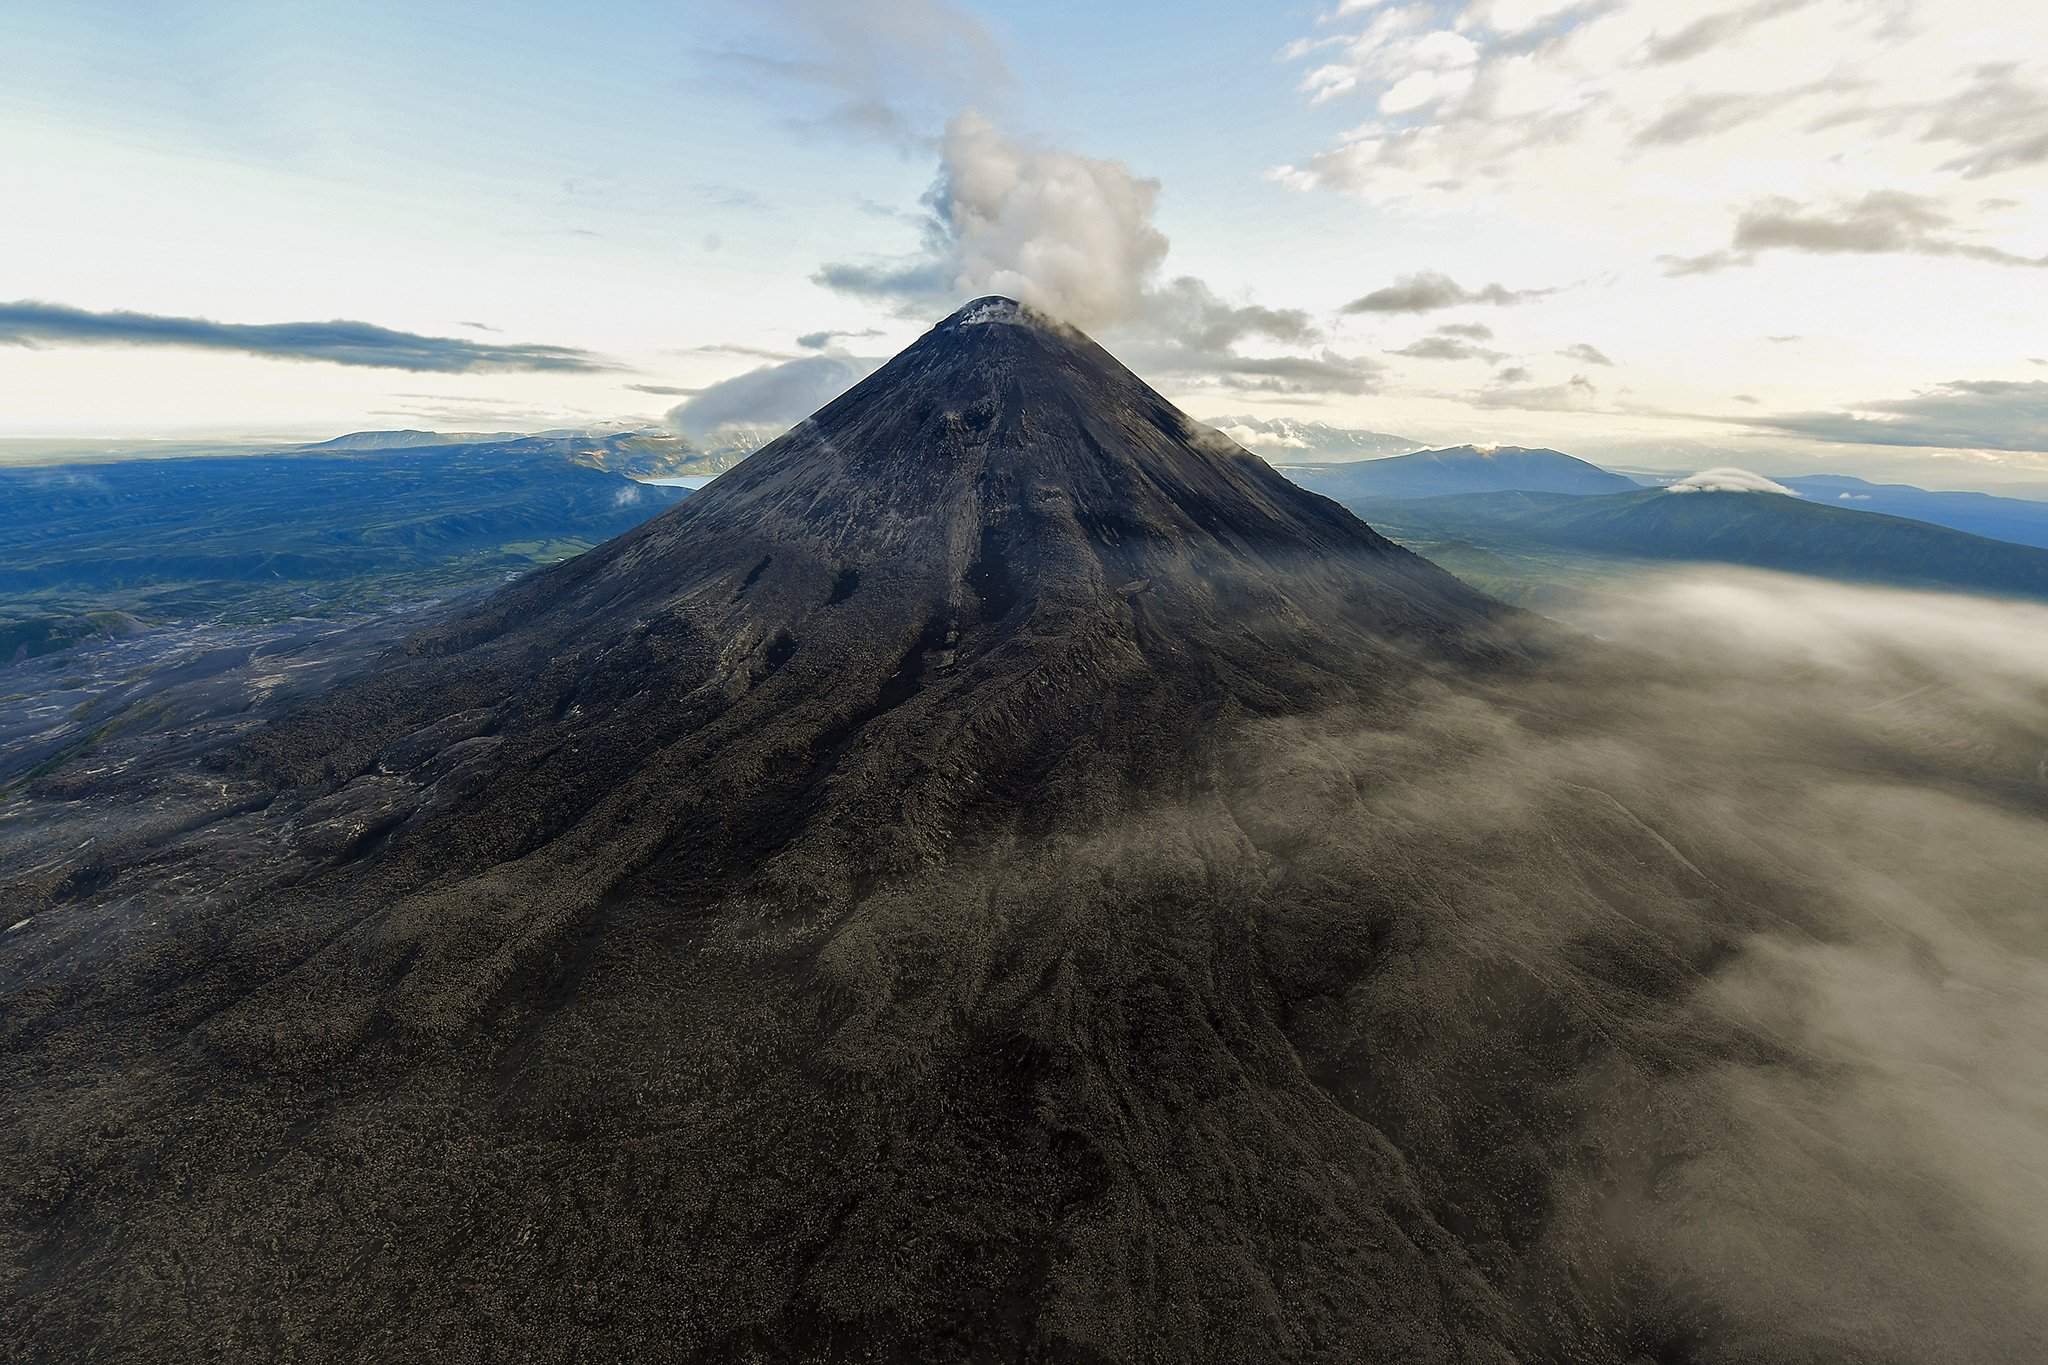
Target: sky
{"type": "Point", "coordinates": [1789, 235]}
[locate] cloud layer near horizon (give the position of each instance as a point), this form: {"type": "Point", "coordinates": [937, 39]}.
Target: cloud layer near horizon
{"type": "Point", "coordinates": [1996, 415]}
{"type": "Point", "coordinates": [1429, 291]}
{"type": "Point", "coordinates": [339, 342]}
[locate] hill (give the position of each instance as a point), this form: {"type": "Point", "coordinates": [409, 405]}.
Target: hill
{"type": "Point", "coordinates": [1458, 469]}
{"type": "Point", "coordinates": [2021, 520]}
{"type": "Point", "coordinates": [640, 453]}
{"type": "Point", "coordinates": [1757, 530]}
{"type": "Point", "coordinates": [84, 550]}
{"type": "Point", "coordinates": [409, 440]}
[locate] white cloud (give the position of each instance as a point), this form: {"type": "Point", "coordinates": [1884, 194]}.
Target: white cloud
{"type": "Point", "coordinates": [1726, 480]}
{"type": "Point", "coordinates": [1657, 102]}
{"type": "Point", "coordinates": [1516, 16]}
{"type": "Point", "coordinates": [1069, 234]}
{"type": "Point", "coordinates": [1074, 237]}
{"type": "Point", "coordinates": [1252, 439]}
{"type": "Point", "coordinates": [766, 401]}
{"type": "Point", "coordinates": [1442, 64]}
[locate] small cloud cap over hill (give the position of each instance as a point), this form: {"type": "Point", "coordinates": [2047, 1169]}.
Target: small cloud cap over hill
{"type": "Point", "coordinates": [1729, 481]}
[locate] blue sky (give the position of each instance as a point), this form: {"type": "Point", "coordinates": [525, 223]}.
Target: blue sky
{"type": "Point", "coordinates": [1811, 233]}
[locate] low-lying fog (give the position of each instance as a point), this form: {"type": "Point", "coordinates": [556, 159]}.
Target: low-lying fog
{"type": "Point", "coordinates": [1839, 1129]}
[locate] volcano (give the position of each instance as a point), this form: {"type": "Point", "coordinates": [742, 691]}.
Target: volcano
{"type": "Point", "coordinates": [823, 923]}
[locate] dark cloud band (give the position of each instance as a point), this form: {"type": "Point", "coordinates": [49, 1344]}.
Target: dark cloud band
{"type": "Point", "coordinates": [29, 323]}
{"type": "Point", "coordinates": [2001, 415]}
{"type": "Point", "coordinates": [1429, 291]}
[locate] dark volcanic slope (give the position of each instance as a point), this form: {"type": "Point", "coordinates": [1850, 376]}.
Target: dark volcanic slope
{"type": "Point", "coordinates": [824, 924]}
{"type": "Point", "coordinates": [997, 557]}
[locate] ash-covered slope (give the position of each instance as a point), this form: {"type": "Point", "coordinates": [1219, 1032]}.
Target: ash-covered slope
{"type": "Point", "coordinates": [832, 921]}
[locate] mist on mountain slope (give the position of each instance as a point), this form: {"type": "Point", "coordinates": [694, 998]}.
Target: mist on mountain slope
{"type": "Point", "coordinates": [1696, 976]}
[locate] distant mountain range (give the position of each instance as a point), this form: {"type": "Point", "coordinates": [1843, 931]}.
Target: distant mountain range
{"type": "Point", "coordinates": [1468, 469]}
{"type": "Point", "coordinates": [1343, 463]}
{"type": "Point", "coordinates": [374, 516]}
{"type": "Point", "coordinates": [411, 440]}
{"type": "Point", "coordinates": [1758, 530]}
{"type": "Point", "coordinates": [639, 452]}
{"type": "Point", "coordinates": [1284, 438]}
{"type": "Point", "coordinates": [2022, 521]}
{"type": "Point", "coordinates": [1459, 469]}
